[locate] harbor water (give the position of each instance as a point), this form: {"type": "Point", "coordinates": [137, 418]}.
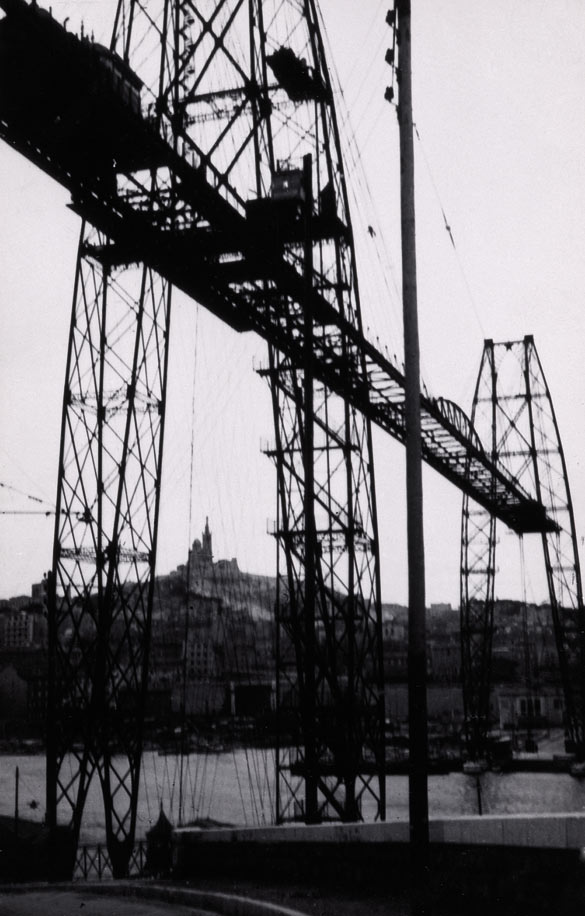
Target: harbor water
{"type": "Point", "coordinates": [237, 788]}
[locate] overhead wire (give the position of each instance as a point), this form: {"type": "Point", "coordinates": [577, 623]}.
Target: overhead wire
{"type": "Point", "coordinates": [190, 535]}
{"type": "Point", "coordinates": [376, 18]}
{"type": "Point", "coordinates": [530, 700]}
{"type": "Point", "coordinates": [145, 791]}
{"type": "Point", "coordinates": [239, 612]}
{"type": "Point", "coordinates": [449, 230]}
{"type": "Point", "coordinates": [355, 160]}
{"type": "Point", "coordinates": [36, 499]}
{"type": "Point", "coordinates": [45, 512]}
{"type": "Point", "coordinates": [211, 417]}
{"type": "Point", "coordinates": [365, 213]}
{"type": "Point", "coordinates": [31, 480]}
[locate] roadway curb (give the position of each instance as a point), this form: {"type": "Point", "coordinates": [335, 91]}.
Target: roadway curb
{"type": "Point", "coordinates": [214, 902]}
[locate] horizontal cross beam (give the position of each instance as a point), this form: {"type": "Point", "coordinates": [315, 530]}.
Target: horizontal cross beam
{"type": "Point", "coordinates": [201, 237]}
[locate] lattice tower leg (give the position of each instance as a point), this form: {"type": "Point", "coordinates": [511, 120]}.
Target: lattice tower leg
{"type": "Point", "coordinates": [105, 543]}
{"type": "Point", "coordinates": [330, 760]}
{"type": "Point", "coordinates": [219, 93]}
{"type": "Point", "coordinates": [109, 484]}
{"type": "Point", "coordinates": [277, 110]}
{"type": "Point", "coordinates": [478, 558]}
{"type": "Point", "coordinates": [525, 438]}
{"type": "Point", "coordinates": [561, 554]}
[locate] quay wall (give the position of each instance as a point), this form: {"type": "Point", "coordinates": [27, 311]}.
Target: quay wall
{"type": "Point", "coordinates": [523, 864]}
{"type": "Point", "coordinates": [544, 831]}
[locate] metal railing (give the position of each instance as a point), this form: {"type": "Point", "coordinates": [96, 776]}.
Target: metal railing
{"type": "Point", "coordinates": [92, 862]}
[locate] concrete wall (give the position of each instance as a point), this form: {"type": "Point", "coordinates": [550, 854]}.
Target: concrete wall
{"type": "Point", "coordinates": [512, 866]}
{"type": "Point", "coordinates": [544, 831]}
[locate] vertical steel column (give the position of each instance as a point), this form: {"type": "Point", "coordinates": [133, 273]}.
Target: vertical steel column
{"type": "Point", "coordinates": [109, 492]}
{"type": "Point", "coordinates": [478, 565]}
{"type": "Point", "coordinates": [560, 549]}
{"type": "Point", "coordinates": [344, 655]}
{"type": "Point", "coordinates": [223, 103]}
{"type": "Point", "coordinates": [105, 542]}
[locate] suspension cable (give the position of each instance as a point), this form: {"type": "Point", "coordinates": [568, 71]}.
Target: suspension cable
{"type": "Point", "coordinates": [187, 607]}
{"type": "Point", "coordinates": [526, 647]}
{"type": "Point", "coordinates": [29, 496]}
{"type": "Point", "coordinates": [449, 231]}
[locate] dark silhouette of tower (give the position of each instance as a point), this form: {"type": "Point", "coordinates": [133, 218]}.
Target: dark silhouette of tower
{"type": "Point", "coordinates": [206, 550]}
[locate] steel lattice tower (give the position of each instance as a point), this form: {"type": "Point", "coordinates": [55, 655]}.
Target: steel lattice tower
{"type": "Point", "coordinates": [261, 104]}
{"type": "Point", "coordinates": [241, 89]}
{"type": "Point", "coordinates": [513, 410]}
{"type": "Point", "coordinates": [110, 472]}
{"type": "Point", "coordinates": [203, 145]}
{"type": "Point", "coordinates": [478, 546]}
{"type": "Point", "coordinates": [329, 667]}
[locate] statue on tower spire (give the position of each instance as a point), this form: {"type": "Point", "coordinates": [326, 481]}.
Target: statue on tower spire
{"type": "Point", "coordinates": [206, 549]}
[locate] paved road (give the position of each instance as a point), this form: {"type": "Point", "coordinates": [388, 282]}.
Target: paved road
{"type": "Point", "coordinates": [243, 899]}
{"type": "Point", "coordinates": [78, 903]}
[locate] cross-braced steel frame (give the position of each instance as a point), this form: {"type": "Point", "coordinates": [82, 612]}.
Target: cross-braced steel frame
{"type": "Point", "coordinates": [330, 760]}
{"type": "Point", "coordinates": [275, 118]}
{"type": "Point", "coordinates": [109, 487]}
{"type": "Point", "coordinates": [513, 410]}
{"type": "Point", "coordinates": [189, 169]}
{"type": "Point", "coordinates": [212, 72]}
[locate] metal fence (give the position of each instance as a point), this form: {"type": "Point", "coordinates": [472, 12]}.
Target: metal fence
{"type": "Point", "coordinates": [92, 862]}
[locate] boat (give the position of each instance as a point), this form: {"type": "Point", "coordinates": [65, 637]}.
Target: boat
{"type": "Point", "coordinates": [474, 767]}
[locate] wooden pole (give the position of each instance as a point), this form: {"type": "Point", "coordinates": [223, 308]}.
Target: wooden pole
{"type": "Point", "coordinates": [417, 695]}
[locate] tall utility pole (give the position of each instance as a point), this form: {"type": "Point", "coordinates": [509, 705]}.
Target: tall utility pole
{"type": "Point", "coordinates": [417, 692]}
{"type": "Point", "coordinates": [309, 698]}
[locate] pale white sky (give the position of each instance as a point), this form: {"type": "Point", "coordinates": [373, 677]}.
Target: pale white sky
{"type": "Point", "coordinates": [499, 96]}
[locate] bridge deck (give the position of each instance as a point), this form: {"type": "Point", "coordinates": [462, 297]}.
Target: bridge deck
{"type": "Point", "coordinates": [57, 111]}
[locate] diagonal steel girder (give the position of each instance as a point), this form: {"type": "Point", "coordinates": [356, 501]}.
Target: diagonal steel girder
{"type": "Point", "coordinates": [448, 439]}
{"type": "Point", "coordinates": [222, 261]}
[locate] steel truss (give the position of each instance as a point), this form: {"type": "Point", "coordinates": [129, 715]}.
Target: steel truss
{"type": "Point", "coordinates": [59, 108]}
{"type": "Point", "coordinates": [330, 759]}
{"type": "Point", "coordinates": [109, 494]}
{"type": "Point", "coordinates": [176, 171]}
{"type": "Point", "coordinates": [109, 486]}
{"type": "Point", "coordinates": [512, 409]}
{"type": "Point", "coordinates": [259, 70]}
